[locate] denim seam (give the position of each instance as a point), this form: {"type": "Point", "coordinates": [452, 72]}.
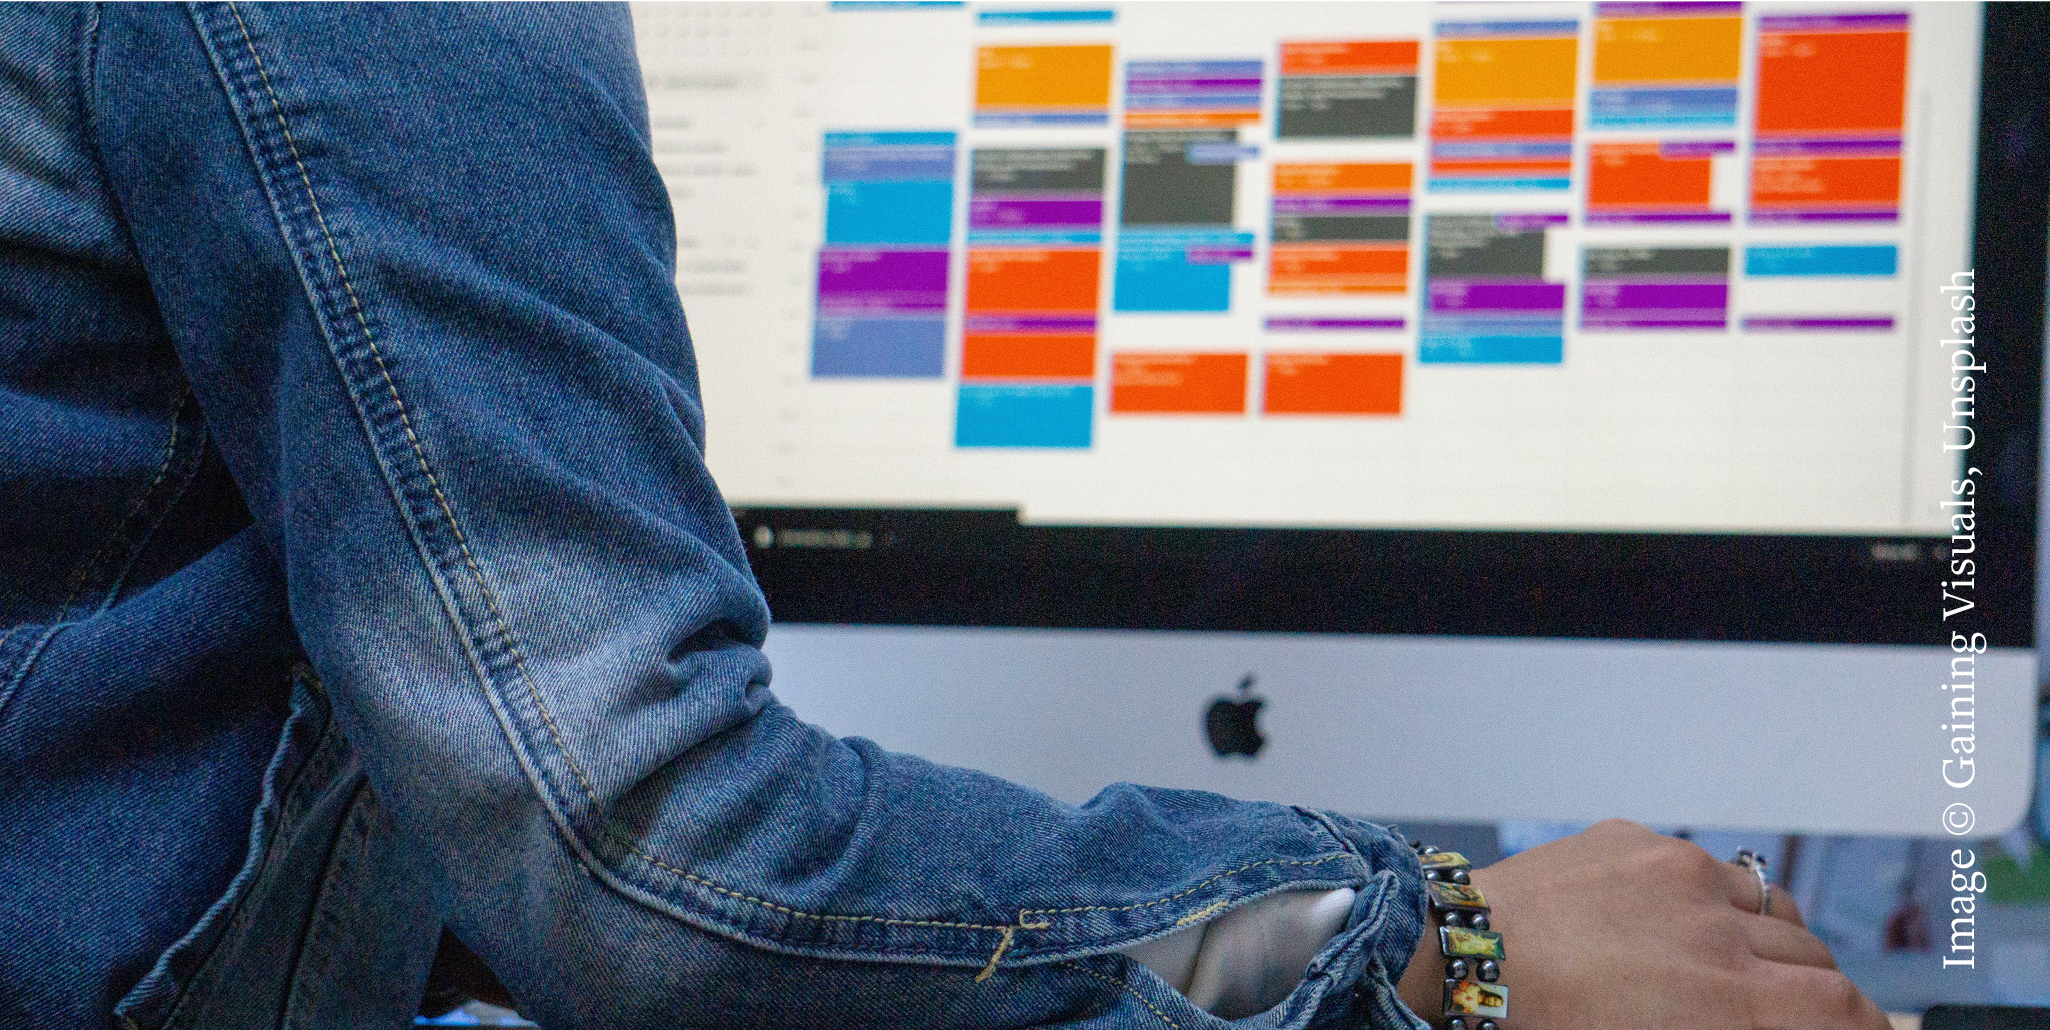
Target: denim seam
{"type": "Point", "coordinates": [1380, 910]}
{"type": "Point", "coordinates": [88, 85]}
{"type": "Point", "coordinates": [1325, 823]}
{"type": "Point", "coordinates": [501, 630]}
{"type": "Point", "coordinates": [1369, 927]}
{"type": "Point", "coordinates": [828, 917]}
{"type": "Point", "coordinates": [338, 876]}
{"type": "Point", "coordinates": [148, 536]}
{"type": "Point", "coordinates": [1126, 987]}
{"type": "Point", "coordinates": [234, 76]}
{"type": "Point", "coordinates": [1180, 894]}
{"type": "Point", "coordinates": [276, 812]}
{"type": "Point", "coordinates": [17, 669]}
{"type": "Point", "coordinates": [85, 568]}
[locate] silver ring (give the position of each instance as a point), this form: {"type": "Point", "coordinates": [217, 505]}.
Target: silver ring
{"type": "Point", "coordinates": [1758, 864]}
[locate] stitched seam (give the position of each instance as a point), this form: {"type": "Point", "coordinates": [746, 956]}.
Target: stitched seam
{"type": "Point", "coordinates": [476, 574]}
{"type": "Point", "coordinates": [1003, 945]}
{"type": "Point", "coordinates": [317, 945]}
{"type": "Point", "coordinates": [35, 650]}
{"type": "Point", "coordinates": [88, 82]}
{"type": "Point", "coordinates": [28, 664]}
{"type": "Point", "coordinates": [1324, 822]}
{"type": "Point", "coordinates": [772, 906]}
{"type": "Point", "coordinates": [1202, 913]}
{"type": "Point", "coordinates": [163, 469]}
{"type": "Point", "coordinates": [279, 816]}
{"type": "Point", "coordinates": [1128, 989]}
{"type": "Point", "coordinates": [405, 417]}
{"type": "Point", "coordinates": [1179, 894]}
{"type": "Point", "coordinates": [1375, 972]}
{"type": "Point", "coordinates": [7, 638]}
{"type": "Point", "coordinates": [148, 536]}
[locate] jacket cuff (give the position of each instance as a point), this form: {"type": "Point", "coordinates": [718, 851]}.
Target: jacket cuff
{"type": "Point", "coordinates": [1388, 919]}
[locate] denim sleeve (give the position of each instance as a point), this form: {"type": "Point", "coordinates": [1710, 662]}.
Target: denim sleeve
{"type": "Point", "coordinates": [418, 264]}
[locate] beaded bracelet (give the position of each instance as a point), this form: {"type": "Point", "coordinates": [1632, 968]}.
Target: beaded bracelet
{"type": "Point", "coordinates": [1473, 952]}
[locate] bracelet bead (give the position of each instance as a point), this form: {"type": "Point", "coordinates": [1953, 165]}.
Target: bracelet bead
{"type": "Point", "coordinates": [1470, 949]}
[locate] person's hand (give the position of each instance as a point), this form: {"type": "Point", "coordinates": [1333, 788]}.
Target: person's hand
{"type": "Point", "coordinates": [1619, 928]}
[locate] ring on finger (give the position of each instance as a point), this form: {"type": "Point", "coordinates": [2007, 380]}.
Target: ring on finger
{"type": "Point", "coordinates": [1758, 864]}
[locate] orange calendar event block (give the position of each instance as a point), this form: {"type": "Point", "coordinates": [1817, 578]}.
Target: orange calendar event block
{"type": "Point", "coordinates": [1830, 83]}
{"type": "Point", "coordinates": [1028, 356]}
{"type": "Point", "coordinates": [1333, 384]}
{"type": "Point", "coordinates": [1189, 119]}
{"type": "Point", "coordinates": [1382, 177]}
{"type": "Point", "coordinates": [1503, 166]}
{"type": "Point", "coordinates": [1824, 182]}
{"type": "Point", "coordinates": [1329, 268]}
{"type": "Point", "coordinates": [1382, 57]}
{"type": "Point", "coordinates": [1011, 280]}
{"type": "Point", "coordinates": [1183, 384]}
{"type": "Point", "coordinates": [1634, 175]}
{"type": "Point", "coordinates": [1537, 123]}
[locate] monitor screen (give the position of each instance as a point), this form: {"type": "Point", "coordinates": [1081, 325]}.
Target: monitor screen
{"type": "Point", "coordinates": [1490, 347]}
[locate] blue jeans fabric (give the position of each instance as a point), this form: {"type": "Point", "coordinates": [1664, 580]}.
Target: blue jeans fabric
{"type": "Point", "coordinates": [344, 338]}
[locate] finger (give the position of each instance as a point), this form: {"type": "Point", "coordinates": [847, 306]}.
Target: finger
{"type": "Point", "coordinates": [1742, 884]}
{"type": "Point", "coordinates": [1809, 998]}
{"type": "Point", "coordinates": [1774, 940]}
{"type": "Point", "coordinates": [1783, 907]}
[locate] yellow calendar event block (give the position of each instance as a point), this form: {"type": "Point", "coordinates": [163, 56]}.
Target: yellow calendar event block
{"type": "Point", "coordinates": [1667, 50]}
{"type": "Point", "coordinates": [1043, 77]}
{"type": "Point", "coordinates": [1498, 72]}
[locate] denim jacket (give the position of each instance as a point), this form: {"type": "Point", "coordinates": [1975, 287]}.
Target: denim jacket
{"type": "Point", "coordinates": [360, 574]}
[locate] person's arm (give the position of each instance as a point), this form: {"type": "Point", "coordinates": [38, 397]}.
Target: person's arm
{"type": "Point", "coordinates": [418, 264]}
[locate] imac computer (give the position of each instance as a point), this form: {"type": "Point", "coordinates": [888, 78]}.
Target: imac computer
{"type": "Point", "coordinates": [1449, 411]}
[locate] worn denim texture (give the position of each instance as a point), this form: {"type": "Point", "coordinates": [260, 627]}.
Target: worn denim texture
{"type": "Point", "coordinates": [344, 339]}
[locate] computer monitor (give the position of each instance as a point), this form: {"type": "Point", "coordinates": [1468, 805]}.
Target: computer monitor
{"type": "Point", "coordinates": [1458, 411]}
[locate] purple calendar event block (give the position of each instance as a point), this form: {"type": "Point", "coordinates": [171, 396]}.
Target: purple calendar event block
{"type": "Point", "coordinates": [882, 280]}
{"type": "Point", "coordinates": [1624, 304]}
{"type": "Point", "coordinates": [1038, 211]}
{"type": "Point", "coordinates": [1496, 295]}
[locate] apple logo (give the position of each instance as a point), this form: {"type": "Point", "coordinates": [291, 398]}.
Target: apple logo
{"type": "Point", "coordinates": [1231, 722]}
